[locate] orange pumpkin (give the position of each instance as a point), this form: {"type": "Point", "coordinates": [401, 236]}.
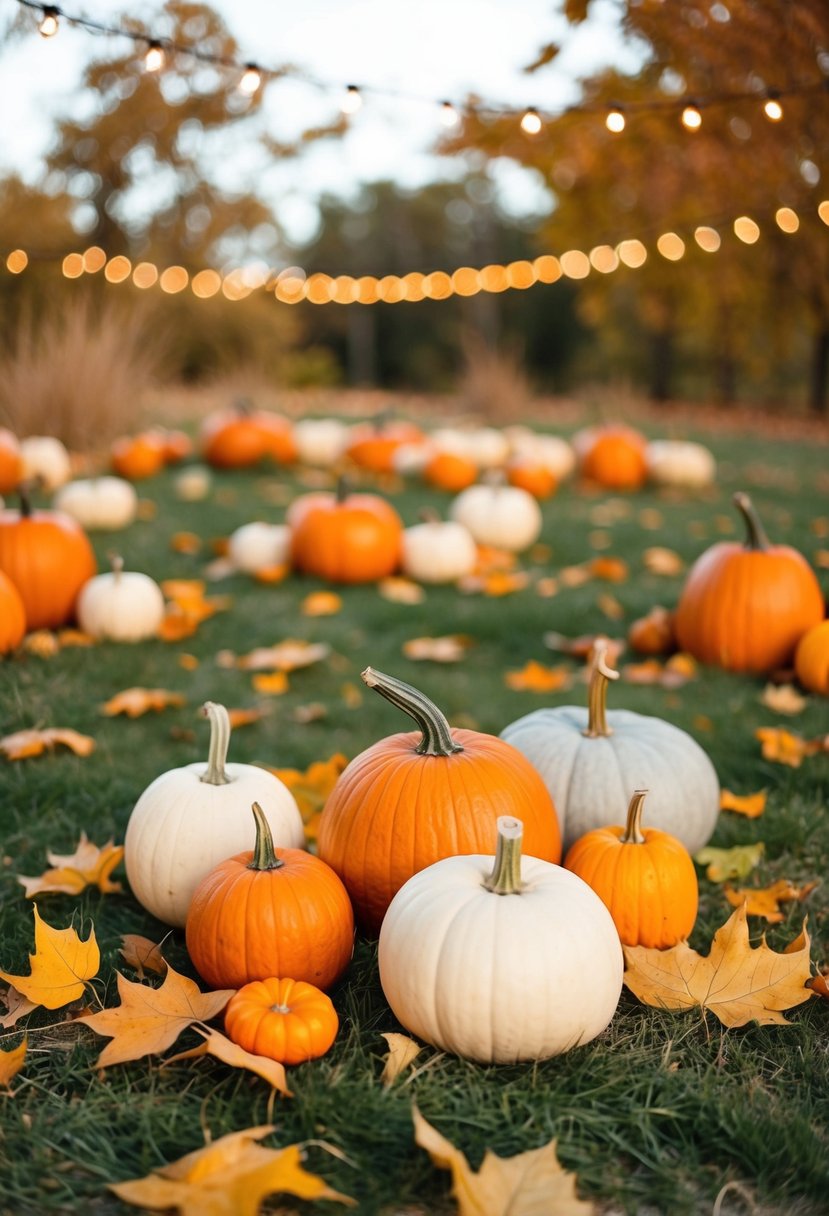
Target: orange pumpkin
{"type": "Point", "coordinates": [11, 461]}
{"type": "Point", "coordinates": [48, 557]}
{"type": "Point", "coordinates": [234, 438]}
{"type": "Point", "coordinates": [450, 471]}
{"type": "Point", "coordinates": [645, 878]}
{"type": "Point", "coordinates": [286, 1020]}
{"type": "Point", "coordinates": [745, 607]}
{"type": "Point", "coordinates": [12, 615]}
{"type": "Point", "coordinates": [278, 434]}
{"type": "Point", "coordinates": [373, 445]}
{"type": "Point", "coordinates": [138, 456]}
{"type": "Point", "coordinates": [414, 798]}
{"type": "Point", "coordinates": [537, 479]}
{"type": "Point", "coordinates": [346, 538]}
{"type": "Point", "coordinates": [811, 659]}
{"type": "Point", "coordinates": [177, 446]}
{"type": "Point", "coordinates": [654, 632]}
{"type": "Point", "coordinates": [615, 457]}
{"type": "Point", "coordinates": [270, 912]}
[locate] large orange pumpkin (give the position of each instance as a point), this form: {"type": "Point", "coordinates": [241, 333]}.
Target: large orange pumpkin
{"type": "Point", "coordinates": [11, 461]}
{"type": "Point", "coordinates": [138, 456]}
{"type": "Point", "coordinates": [373, 445]}
{"type": "Point", "coordinates": [745, 607]}
{"type": "Point", "coordinates": [234, 438]}
{"type": "Point", "coordinates": [48, 557]}
{"type": "Point", "coordinates": [12, 615]}
{"type": "Point", "coordinates": [346, 538]}
{"type": "Point", "coordinates": [614, 456]}
{"type": "Point", "coordinates": [270, 912]}
{"type": "Point", "coordinates": [645, 878]}
{"type": "Point", "coordinates": [414, 798]}
{"type": "Point", "coordinates": [811, 659]}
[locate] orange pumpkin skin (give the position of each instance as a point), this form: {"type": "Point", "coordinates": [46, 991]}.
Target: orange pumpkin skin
{"type": "Point", "coordinates": [353, 538]}
{"type": "Point", "coordinates": [233, 439]}
{"type": "Point", "coordinates": [246, 924]}
{"type": "Point", "coordinates": [12, 615]}
{"type": "Point", "coordinates": [615, 458]}
{"type": "Point", "coordinates": [745, 608]}
{"type": "Point", "coordinates": [653, 633]}
{"type": "Point", "coordinates": [278, 435]}
{"type": "Point", "coordinates": [11, 461]}
{"type": "Point", "coordinates": [177, 446]}
{"type": "Point", "coordinates": [650, 887]}
{"type": "Point", "coordinates": [139, 456]}
{"type": "Point", "coordinates": [811, 659]}
{"type": "Point", "coordinates": [449, 471]}
{"type": "Point", "coordinates": [373, 447]}
{"type": "Point", "coordinates": [48, 557]}
{"type": "Point", "coordinates": [286, 1020]}
{"type": "Point", "coordinates": [536, 479]}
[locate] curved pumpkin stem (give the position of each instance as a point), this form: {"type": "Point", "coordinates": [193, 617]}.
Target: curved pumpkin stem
{"type": "Point", "coordinates": [633, 833]}
{"type": "Point", "coordinates": [600, 676]}
{"type": "Point", "coordinates": [756, 538]}
{"type": "Point", "coordinates": [505, 878]}
{"type": "Point", "coordinates": [437, 734]}
{"type": "Point", "coordinates": [215, 773]}
{"type": "Point", "coordinates": [264, 857]}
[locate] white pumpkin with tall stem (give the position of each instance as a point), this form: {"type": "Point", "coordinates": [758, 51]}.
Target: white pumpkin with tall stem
{"type": "Point", "coordinates": [516, 960]}
{"type": "Point", "coordinates": [121, 606]}
{"type": "Point", "coordinates": [191, 818]}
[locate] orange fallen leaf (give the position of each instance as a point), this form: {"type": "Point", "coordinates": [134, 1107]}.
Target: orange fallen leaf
{"type": "Point", "coordinates": [504, 583]}
{"type": "Point", "coordinates": [246, 717]}
{"type": "Point", "coordinates": [765, 901]}
{"type": "Point", "coordinates": [490, 559]}
{"type": "Point", "coordinates": [145, 509]}
{"type": "Point", "coordinates": [535, 677]}
{"type": "Point", "coordinates": [142, 954]}
{"type": "Point", "coordinates": [88, 866]}
{"type": "Point", "coordinates": [649, 671]}
{"type": "Point", "coordinates": [60, 966]}
{"type": "Point", "coordinates": [288, 655]}
{"type": "Point", "coordinates": [658, 560]}
{"type": "Point", "coordinates": [311, 787]}
{"type": "Point", "coordinates": [314, 711]}
{"type": "Point", "coordinates": [450, 648]}
{"type": "Point", "coordinates": [783, 699]}
{"type": "Point", "coordinates": [402, 1050]}
{"type": "Point", "coordinates": [188, 661]}
{"type": "Point", "coordinates": [682, 664]}
{"type": "Point", "coordinates": [17, 1007]}
{"type": "Point", "coordinates": [574, 576]}
{"type": "Point", "coordinates": [401, 590]}
{"type": "Point", "coordinates": [272, 574]}
{"type": "Point", "coordinates": [547, 587]}
{"type": "Point", "coordinates": [67, 638]}
{"type": "Point", "coordinates": [599, 538]}
{"type": "Point", "coordinates": [821, 559]}
{"type": "Point", "coordinates": [25, 743]}
{"type": "Point", "coordinates": [183, 590]}
{"type": "Point", "coordinates": [650, 519]}
{"type": "Point", "coordinates": [185, 542]}
{"type": "Point", "coordinates": [611, 569]}
{"type": "Point", "coordinates": [137, 701]}
{"type": "Point", "coordinates": [610, 607]}
{"type": "Point", "coordinates": [222, 1048]}
{"type": "Point", "coordinates": [272, 683]}
{"type": "Point", "coordinates": [352, 695]}
{"type": "Point", "coordinates": [41, 642]}
{"type": "Point", "coordinates": [321, 603]}
{"type": "Point", "coordinates": [581, 647]}
{"type": "Point", "coordinates": [750, 805]}
{"type": "Point", "coordinates": [784, 747]}
{"type": "Point", "coordinates": [819, 985]}
{"type": "Point", "coordinates": [11, 1062]}
{"type": "Point", "coordinates": [702, 722]}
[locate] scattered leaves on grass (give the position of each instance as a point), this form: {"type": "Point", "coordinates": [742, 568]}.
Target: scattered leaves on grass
{"type": "Point", "coordinates": [535, 677]}
{"type": "Point", "coordinates": [89, 866]}
{"type": "Point", "coordinates": [60, 966]}
{"type": "Point", "coordinates": [222, 1048]}
{"type": "Point", "coordinates": [187, 607]}
{"type": "Point", "coordinates": [41, 642]}
{"type": "Point", "coordinates": [783, 699]}
{"type": "Point", "coordinates": [490, 560]}
{"type": "Point", "coordinates": [149, 1020]}
{"type": "Point", "coordinates": [229, 1177]}
{"type": "Point", "coordinates": [402, 1050]}
{"type": "Point", "coordinates": [750, 805]}
{"type": "Point", "coordinates": [766, 901]}
{"type": "Point", "coordinates": [528, 1184]}
{"type": "Point", "coordinates": [819, 985]}
{"type": "Point", "coordinates": [609, 569]}
{"type": "Point", "coordinates": [185, 542]}
{"type": "Point", "coordinates": [285, 656]}
{"type": "Point", "coordinates": [188, 661]}
{"type": "Point", "coordinates": [321, 603]}
{"type": "Point", "coordinates": [658, 560]}
{"type": "Point", "coordinates": [784, 747]}
{"type": "Point", "coordinates": [738, 983]}
{"type": "Point", "coordinates": [11, 1063]}
{"type": "Point", "coordinates": [352, 695]}
{"type": "Point", "coordinates": [401, 590]}
{"type": "Point", "coordinates": [581, 647]}
{"type": "Point", "coordinates": [142, 954]}
{"type": "Point", "coordinates": [673, 673]}
{"type": "Point", "coordinates": [547, 587]}
{"type": "Point", "coordinates": [724, 864]}
{"type": "Point", "coordinates": [312, 785]}
{"type": "Point", "coordinates": [574, 576]}
{"type": "Point", "coordinates": [247, 717]}
{"type": "Point", "coordinates": [137, 701]}
{"type": "Point", "coordinates": [314, 711]}
{"type": "Point", "coordinates": [821, 559]}
{"type": "Point", "coordinates": [450, 648]}
{"type": "Point", "coordinates": [25, 743]}
{"type": "Point", "coordinates": [272, 683]}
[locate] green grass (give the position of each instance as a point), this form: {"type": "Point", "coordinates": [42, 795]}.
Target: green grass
{"type": "Point", "coordinates": [655, 1116]}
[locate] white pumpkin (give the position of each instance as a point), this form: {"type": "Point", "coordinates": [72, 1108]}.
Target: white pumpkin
{"type": "Point", "coordinates": [191, 818]}
{"type": "Point", "coordinates": [591, 759]}
{"type": "Point", "coordinates": [505, 517]}
{"type": "Point", "coordinates": [46, 459]}
{"type": "Point", "coordinates": [678, 462]}
{"type": "Point", "coordinates": [99, 503]}
{"type": "Point", "coordinates": [193, 484]}
{"type": "Point", "coordinates": [550, 451]}
{"type": "Point", "coordinates": [519, 960]}
{"type": "Point", "coordinates": [121, 606]}
{"type": "Point", "coordinates": [487, 446]}
{"type": "Point", "coordinates": [438, 552]}
{"type": "Point", "coordinates": [320, 441]}
{"type": "Point", "coordinates": [411, 458]}
{"type": "Point", "coordinates": [259, 546]}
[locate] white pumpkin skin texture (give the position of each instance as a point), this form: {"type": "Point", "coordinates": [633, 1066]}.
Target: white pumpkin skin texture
{"type": "Point", "coordinates": [257, 546]}
{"type": "Point", "coordinates": [438, 552]}
{"type": "Point", "coordinates": [320, 441]}
{"type": "Point", "coordinates": [500, 978]}
{"type": "Point", "coordinates": [505, 517]}
{"type": "Point", "coordinates": [187, 821]}
{"type": "Point", "coordinates": [590, 775]}
{"type": "Point", "coordinates": [46, 458]}
{"type": "Point", "coordinates": [99, 503]}
{"type": "Point", "coordinates": [677, 462]}
{"type": "Point", "coordinates": [120, 607]}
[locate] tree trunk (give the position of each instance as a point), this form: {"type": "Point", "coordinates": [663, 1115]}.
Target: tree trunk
{"type": "Point", "coordinates": [362, 345]}
{"type": "Point", "coordinates": [662, 365]}
{"type": "Point", "coordinates": [820, 370]}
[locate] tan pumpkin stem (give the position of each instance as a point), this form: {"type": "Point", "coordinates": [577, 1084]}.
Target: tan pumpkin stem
{"type": "Point", "coordinates": [505, 878]}
{"type": "Point", "coordinates": [633, 833]}
{"type": "Point", "coordinates": [117, 563]}
{"type": "Point", "coordinates": [600, 676]}
{"type": "Point", "coordinates": [756, 538]}
{"type": "Point", "coordinates": [264, 857]}
{"type": "Point", "coordinates": [428, 515]}
{"type": "Point", "coordinates": [437, 734]}
{"type": "Point", "coordinates": [215, 773]}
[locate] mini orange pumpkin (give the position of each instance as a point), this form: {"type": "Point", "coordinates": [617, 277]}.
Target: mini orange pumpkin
{"type": "Point", "coordinates": [286, 1020]}
{"type": "Point", "coordinates": [654, 632]}
{"type": "Point", "coordinates": [138, 456]}
{"type": "Point", "coordinates": [12, 615]}
{"type": "Point", "coordinates": [234, 438]}
{"type": "Point", "coordinates": [11, 461]}
{"type": "Point", "coordinates": [346, 538]}
{"type": "Point", "coordinates": [537, 479]}
{"type": "Point", "coordinates": [811, 659]}
{"type": "Point", "coordinates": [450, 471]}
{"type": "Point", "coordinates": [373, 445]}
{"type": "Point", "coordinates": [615, 457]}
{"type": "Point", "coordinates": [646, 879]}
{"type": "Point", "coordinates": [745, 607]}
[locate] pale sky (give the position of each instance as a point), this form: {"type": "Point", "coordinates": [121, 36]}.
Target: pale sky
{"type": "Point", "coordinates": [431, 49]}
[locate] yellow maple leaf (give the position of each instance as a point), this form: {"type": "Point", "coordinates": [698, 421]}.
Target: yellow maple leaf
{"type": "Point", "coordinates": [60, 966]}
{"type": "Point", "coordinates": [149, 1020]}
{"type": "Point", "coordinates": [524, 1185]}
{"type": "Point", "coordinates": [11, 1062]}
{"type": "Point", "coordinates": [535, 677]}
{"type": "Point", "coordinates": [402, 1050]}
{"type": "Point", "coordinates": [142, 954]}
{"type": "Point", "coordinates": [321, 603]}
{"type": "Point", "coordinates": [784, 747]}
{"type": "Point", "coordinates": [750, 805]}
{"type": "Point", "coordinates": [25, 743]}
{"type": "Point", "coordinates": [229, 1177]}
{"type": "Point", "coordinates": [765, 901]}
{"type": "Point", "coordinates": [222, 1048]}
{"type": "Point", "coordinates": [738, 983]}
{"type": "Point", "coordinates": [89, 866]}
{"type": "Point", "coordinates": [137, 701]}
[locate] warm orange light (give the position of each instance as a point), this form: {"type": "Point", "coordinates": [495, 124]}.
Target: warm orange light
{"type": "Point", "coordinates": [390, 289]}
{"type": "Point", "coordinates": [691, 118]}
{"type": "Point", "coordinates": [823, 210]}
{"type": "Point", "coordinates": [205, 284]}
{"type": "Point", "coordinates": [786, 219]}
{"type": "Point", "coordinates": [708, 239]}
{"type": "Point", "coordinates": [531, 122]}
{"type": "Point", "coordinates": [437, 285]}
{"type": "Point", "coordinates": [345, 289]}
{"type": "Point", "coordinates": [494, 278]}
{"type": "Point", "coordinates": [670, 246]}
{"type": "Point", "coordinates": [746, 230]}
{"type": "Point", "coordinates": [615, 121]}
{"type": "Point", "coordinates": [413, 287]}
{"type": "Point", "coordinates": [173, 280]}
{"type": "Point", "coordinates": [117, 269]}
{"type": "Point", "coordinates": [250, 80]}
{"type": "Point", "coordinates": [94, 259]}
{"type": "Point", "coordinates": [48, 26]}
{"type": "Point", "coordinates": [319, 289]}
{"type": "Point", "coordinates": [520, 275]}
{"type": "Point", "coordinates": [17, 261]}
{"type": "Point", "coordinates": [72, 266]}
{"type": "Point", "coordinates": [466, 281]}
{"type": "Point", "coordinates": [547, 268]}
{"type": "Point", "coordinates": [154, 58]}
{"type": "Point", "coordinates": [632, 253]}
{"type": "Point", "coordinates": [773, 110]}
{"type": "Point", "coordinates": [604, 258]}
{"type": "Point", "coordinates": [352, 100]}
{"type": "Point", "coordinates": [575, 264]}
{"type": "Point", "coordinates": [145, 275]}
{"type": "Point", "coordinates": [289, 288]}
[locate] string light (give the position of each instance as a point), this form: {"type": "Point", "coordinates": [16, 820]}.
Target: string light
{"type": "Point", "coordinates": [691, 118]}
{"type": "Point", "coordinates": [449, 116]}
{"type": "Point", "coordinates": [48, 26]}
{"type": "Point", "coordinates": [531, 121]}
{"type": "Point", "coordinates": [352, 100]}
{"type": "Point", "coordinates": [154, 58]}
{"type": "Point", "coordinates": [773, 109]}
{"type": "Point", "coordinates": [615, 121]}
{"type": "Point", "coordinates": [250, 80]}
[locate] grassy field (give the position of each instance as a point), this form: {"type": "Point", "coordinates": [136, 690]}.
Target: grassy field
{"type": "Point", "coordinates": [658, 1114]}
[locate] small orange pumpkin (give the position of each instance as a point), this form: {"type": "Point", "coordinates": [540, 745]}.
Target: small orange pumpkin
{"type": "Point", "coordinates": [138, 456]}
{"type": "Point", "coordinates": [11, 461]}
{"type": "Point", "coordinates": [811, 659]}
{"type": "Point", "coordinates": [614, 457]}
{"type": "Point", "coordinates": [234, 438]}
{"type": "Point", "coordinates": [177, 446]}
{"type": "Point", "coordinates": [286, 1020]}
{"type": "Point", "coordinates": [373, 445]}
{"type": "Point", "coordinates": [450, 471]}
{"type": "Point", "coordinates": [645, 878]}
{"type": "Point", "coordinates": [12, 615]}
{"type": "Point", "coordinates": [654, 632]}
{"type": "Point", "coordinates": [346, 538]}
{"type": "Point", "coordinates": [270, 912]}
{"type": "Point", "coordinates": [278, 433]}
{"type": "Point", "coordinates": [537, 479]}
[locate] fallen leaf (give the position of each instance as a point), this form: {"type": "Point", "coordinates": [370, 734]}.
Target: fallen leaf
{"type": "Point", "coordinates": [188, 661]}
{"type": "Point", "coordinates": [702, 722]}
{"type": "Point", "coordinates": [750, 805]}
{"type": "Point", "coordinates": [540, 554]}
{"type": "Point", "coordinates": [682, 664]}
{"type": "Point", "coordinates": [504, 583]}
{"type": "Point", "coordinates": [650, 519]}
{"type": "Point", "coordinates": [145, 509]}
{"type": "Point", "coordinates": [314, 711]}
{"type": "Point", "coordinates": [599, 538]}
{"type": "Point", "coordinates": [41, 642]}
{"type": "Point", "coordinates": [610, 607]}
{"type": "Point", "coordinates": [247, 717]}
{"type": "Point", "coordinates": [222, 1048]}
{"type": "Point", "coordinates": [149, 1020]}
{"type": "Point", "coordinates": [783, 699]}
{"type": "Point", "coordinates": [574, 576]}
{"type": "Point", "coordinates": [402, 1050]}
{"type": "Point", "coordinates": [60, 966]}
{"type": "Point", "coordinates": [185, 542]}
{"type": "Point", "coordinates": [821, 559]}
{"type": "Point", "coordinates": [272, 574]}
{"type": "Point", "coordinates": [142, 954]}
{"type": "Point", "coordinates": [67, 638]}
{"type": "Point", "coordinates": [89, 866]}
{"type": "Point", "coordinates": [765, 901]}
{"type": "Point", "coordinates": [137, 701]}
{"type": "Point", "coordinates": [25, 743]}
{"type": "Point", "coordinates": [17, 1006]}
{"type": "Point", "coordinates": [611, 569]}
{"type": "Point", "coordinates": [273, 683]}
{"type": "Point", "coordinates": [819, 985]}
{"type": "Point", "coordinates": [228, 1177]}
{"type": "Point", "coordinates": [658, 560]}
{"type": "Point", "coordinates": [581, 647]}
{"type": "Point", "coordinates": [321, 603]}
{"type": "Point", "coordinates": [401, 591]}
{"type": "Point", "coordinates": [547, 587]}
{"type": "Point", "coordinates": [723, 864]}
{"type": "Point", "coordinates": [352, 695]}
{"type": "Point", "coordinates": [219, 568]}
{"type": "Point", "coordinates": [183, 590]}
{"type": "Point", "coordinates": [737, 983]}
{"type": "Point", "coordinates": [188, 607]}
{"type": "Point", "coordinates": [11, 1062]}
{"type": "Point", "coordinates": [311, 787]}
{"type": "Point", "coordinates": [448, 649]}
{"type": "Point", "coordinates": [285, 656]}
{"type": "Point", "coordinates": [490, 559]}
{"type": "Point", "coordinates": [529, 1184]}
{"type": "Point", "coordinates": [535, 677]}
{"type": "Point", "coordinates": [649, 671]}
{"type": "Point", "coordinates": [784, 747]}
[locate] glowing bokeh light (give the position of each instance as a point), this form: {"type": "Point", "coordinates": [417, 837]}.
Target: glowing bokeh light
{"type": "Point", "coordinates": [145, 275]}
{"type": "Point", "coordinates": [604, 258]}
{"type": "Point", "coordinates": [632, 253]}
{"type": "Point", "coordinates": [117, 269]}
{"type": "Point", "coordinates": [205, 284]}
{"type": "Point", "coordinates": [746, 230]}
{"type": "Point", "coordinates": [671, 246]}
{"type": "Point", "coordinates": [708, 239]}
{"type": "Point", "coordinates": [786, 219]}
{"type": "Point", "coordinates": [17, 261]}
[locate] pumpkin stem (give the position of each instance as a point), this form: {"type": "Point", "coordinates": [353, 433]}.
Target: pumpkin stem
{"type": "Point", "coordinates": [437, 735]}
{"type": "Point", "coordinates": [117, 563]}
{"type": "Point", "coordinates": [343, 489]}
{"type": "Point", "coordinates": [600, 676]}
{"type": "Point", "coordinates": [243, 407]}
{"type": "Point", "coordinates": [264, 857]}
{"type": "Point", "coordinates": [24, 491]}
{"type": "Point", "coordinates": [505, 878]}
{"type": "Point", "coordinates": [215, 773]}
{"type": "Point", "coordinates": [633, 833]}
{"type": "Point", "coordinates": [756, 540]}
{"type": "Point", "coordinates": [428, 515]}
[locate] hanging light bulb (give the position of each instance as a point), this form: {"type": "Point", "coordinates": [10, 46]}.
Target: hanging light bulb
{"type": "Point", "coordinates": [49, 21]}
{"type": "Point", "coordinates": [250, 80]}
{"type": "Point", "coordinates": [691, 117]}
{"type": "Point", "coordinates": [531, 121]}
{"type": "Point", "coordinates": [615, 120]}
{"type": "Point", "coordinates": [154, 58]}
{"type": "Point", "coordinates": [352, 100]}
{"type": "Point", "coordinates": [449, 116]}
{"type": "Point", "coordinates": [772, 108]}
